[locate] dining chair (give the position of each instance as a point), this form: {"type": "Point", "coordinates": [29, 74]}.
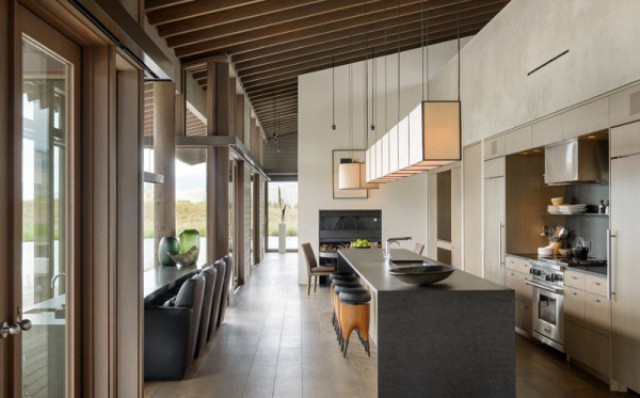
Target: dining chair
{"type": "Point", "coordinates": [313, 269]}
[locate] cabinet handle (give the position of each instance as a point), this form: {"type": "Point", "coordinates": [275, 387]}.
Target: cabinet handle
{"type": "Point", "coordinates": [610, 288]}
{"type": "Point", "coordinates": [597, 283]}
{"type": "Point", "coordinates": [500, 260]}
{"type": "Point", "coordinates": [575, 294]}
{"type": "Point", "coordinates": [598, 301]}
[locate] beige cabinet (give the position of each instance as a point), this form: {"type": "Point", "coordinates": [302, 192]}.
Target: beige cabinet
{"type": "Point", "coordinates": [472, 214]}
{"type": "Point", "coordinates": [517, 275]}
{"type": "Point", "coordinates": [587, 316]}
{"type": "Point", "coordinates": [590, 117]}
{"type": "Point", "coordinates": [494, 229]}
{"type": "Point", "coordinates": [494, 147]}
{"type": "Point", "coordinates": [625, 273]}
{"type": "Point", "coordinates": [548, 131]}
{"type": "Point", "coordinates": [518, 140]}
{"type": "Point", "coordinates": [624, 107]}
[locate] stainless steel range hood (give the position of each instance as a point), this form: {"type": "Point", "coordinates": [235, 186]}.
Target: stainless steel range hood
{"type": "Point", "coordinates": [576, 161]}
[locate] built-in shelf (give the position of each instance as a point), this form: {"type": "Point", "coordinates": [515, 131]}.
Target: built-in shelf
{"type": "Point", "coordinates": [578, 214]}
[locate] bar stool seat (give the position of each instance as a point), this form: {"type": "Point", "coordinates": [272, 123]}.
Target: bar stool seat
{"type": "Point", "coordinates": [335, 302]}
{"type": "Point", "coordinates": [353, 314]}
{"type": "Point", "coordinates": [355, 296]}
{"type": "Point", "coordinates": [342, 275]}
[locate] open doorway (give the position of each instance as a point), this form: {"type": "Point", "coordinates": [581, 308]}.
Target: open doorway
{"type": "Point", "coordinates": [282, 208]}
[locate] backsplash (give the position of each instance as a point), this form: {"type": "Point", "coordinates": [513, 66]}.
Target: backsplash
{"type": "Point", "coordinates": [592, 229]}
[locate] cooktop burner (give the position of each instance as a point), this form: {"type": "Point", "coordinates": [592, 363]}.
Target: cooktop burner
{"type": "Point", "coordinates": [577, 262]}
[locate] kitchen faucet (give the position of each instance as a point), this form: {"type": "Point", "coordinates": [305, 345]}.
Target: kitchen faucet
{"type": "Point", "coordinates": [55, 278]}
{"type": "Point", "coordinates": [386, 251]}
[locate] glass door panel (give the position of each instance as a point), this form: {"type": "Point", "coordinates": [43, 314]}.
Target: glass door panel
{"type": "Point", "coordinates": [46, 98]}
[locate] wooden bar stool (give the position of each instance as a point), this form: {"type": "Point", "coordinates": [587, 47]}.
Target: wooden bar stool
{"type": "Point", "coordinates": [353, 313]}
{"type": "Point", "coordinates": [336, 286]}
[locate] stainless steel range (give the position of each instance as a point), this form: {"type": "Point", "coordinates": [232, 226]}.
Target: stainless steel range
{"type": "Point", "coordinates": [547, 286]}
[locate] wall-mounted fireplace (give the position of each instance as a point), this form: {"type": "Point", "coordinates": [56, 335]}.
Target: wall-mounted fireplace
{"type": "Point", "coordinates": [338, 228]}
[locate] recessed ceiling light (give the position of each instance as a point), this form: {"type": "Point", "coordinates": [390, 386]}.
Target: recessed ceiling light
{"type": "Point", "coordinates": [591, 137]}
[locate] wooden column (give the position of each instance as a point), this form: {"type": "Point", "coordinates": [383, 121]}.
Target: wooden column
{"type": "Point", "coordinates": [99, 222]}
{"type": "Point", "coordinates": [129, 285]}
{"type": "Point", "coordinates": [240, 117]}
{"type": "Point", "coordinates": [164, 143]}
{"type": "Point", "coordinates": [218, 123]}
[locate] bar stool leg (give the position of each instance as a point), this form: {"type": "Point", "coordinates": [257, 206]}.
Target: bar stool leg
{"type": "Point", "coordinates": [351, 317]}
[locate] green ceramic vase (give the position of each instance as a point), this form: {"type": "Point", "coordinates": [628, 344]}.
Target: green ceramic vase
{"type": "Point", "coordinates": [188, 239]}
{"type": "Point", "coordinates": [168, 244]}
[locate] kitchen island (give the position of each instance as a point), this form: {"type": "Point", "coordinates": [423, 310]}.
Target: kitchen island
{"type": "Point", "coordinates": [454, 338]}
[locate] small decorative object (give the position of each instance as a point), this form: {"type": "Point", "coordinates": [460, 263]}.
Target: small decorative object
{"type": "Point", "coordinates": [185, 259]}
{"type": "Point", "coordinates": [601, 207]}
{"type": "Point", "coordinates": [167, 247]}
{"type": "Point", "coordinates": [282, 226]}
{"type": "Point", "coordinates": [189, 238]}
{"type": "Point", "coordinates": [423, 274]}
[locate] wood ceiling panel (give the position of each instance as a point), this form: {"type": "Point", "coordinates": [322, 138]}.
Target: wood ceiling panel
{"type": "Point", "coordinates": [314, 26]}
{"type": "Point", "coordinates": [355, 53]}
{"type": "Point", "coordinates": [410, 26]}
{"type": "Point", "coordinates": [272, 42]}
{"type": "Point", "coordinates": [182, 10]}
{"type": "Point", "coordinates": [254, 14]}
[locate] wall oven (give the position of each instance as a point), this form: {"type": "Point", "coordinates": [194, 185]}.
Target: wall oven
{"type": "Point", "coordinates": [548, 321]}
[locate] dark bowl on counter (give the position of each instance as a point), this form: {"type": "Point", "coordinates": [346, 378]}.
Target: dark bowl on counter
{"type": "Point", "coordinates": [422, 274]}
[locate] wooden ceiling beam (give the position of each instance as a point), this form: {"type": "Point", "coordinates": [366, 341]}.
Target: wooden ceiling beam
{"type": "Point", "coordinates": [181, 10]}
{"type": "Point", "coordinates": [313, 26]}
{"type": "Point", "coordinates": [279, 108]}
{"type": "Point", "coordinates": [277, 23]}
{"type": "Point", "coordinates": [375, 36]}
{"type": "Point", "coordinates": [297, 70]}
{"type": "Point", "coordinates": [280, 33]}
{"type": "Point", "coordinates": [356, 52]}
{"type": "Point", "coordinates": [249, 17]}
{"type": "Point", "coordinates": [153, 5]}
{"type": "Point", "coordinates": [286, 91]}
{"type": "Point", "coordinates": [262, 87]}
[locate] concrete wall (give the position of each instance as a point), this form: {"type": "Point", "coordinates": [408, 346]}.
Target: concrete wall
{"type": "Point", "coordinates": [603, 39]}
{"type": "Point", "coordinates": [403, 203]}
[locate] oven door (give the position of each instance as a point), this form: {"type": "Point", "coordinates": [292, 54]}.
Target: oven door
{"type": "Point", "coordinates": [548, 324]}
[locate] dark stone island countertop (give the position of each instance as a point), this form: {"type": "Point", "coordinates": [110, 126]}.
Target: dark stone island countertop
{"type": "Point", "coordinates": [454, 338]}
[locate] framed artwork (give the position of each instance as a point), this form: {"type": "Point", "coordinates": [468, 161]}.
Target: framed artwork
{"type": "Point", "coordinates": [347, 156]}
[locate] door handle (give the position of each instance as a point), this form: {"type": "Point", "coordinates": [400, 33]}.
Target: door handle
{"type": "Point", "coordinates": [11, 330]}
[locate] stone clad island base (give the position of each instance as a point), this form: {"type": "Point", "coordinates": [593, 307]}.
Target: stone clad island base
{"type": "Point", "coordinates": [451, 339]}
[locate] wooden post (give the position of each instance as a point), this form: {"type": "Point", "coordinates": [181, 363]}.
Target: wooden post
{"type": "Point", "coordinates": [218, 123]}
{"type": "Point", "coordinates": [164, 143]}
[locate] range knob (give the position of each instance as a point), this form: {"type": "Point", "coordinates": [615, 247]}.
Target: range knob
{"type": "Point", "coordinates": [548, 278]}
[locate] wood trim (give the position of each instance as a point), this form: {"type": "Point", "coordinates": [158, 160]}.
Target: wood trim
{"type": "Point", "coordinates": [99, 210]}
{"type": "Point", "coordinates": [238, 205]}
{"type": "Point", "coordinates": [7, 98]}
{"type": "Point", "coordinates": [256, 219]}
{"type": "Point", "coordinates": [129, 280]}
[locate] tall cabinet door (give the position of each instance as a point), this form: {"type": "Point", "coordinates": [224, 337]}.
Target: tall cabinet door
{"type": "Point", "coordinates": [494, 240]}
{"type": "Point", "coordinates": [625, 274]}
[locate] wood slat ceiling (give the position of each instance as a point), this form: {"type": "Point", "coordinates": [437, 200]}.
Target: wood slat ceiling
{"type": "Point", "coordinates": [272, 42]}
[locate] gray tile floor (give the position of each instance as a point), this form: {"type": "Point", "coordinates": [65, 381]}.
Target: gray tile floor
{"type": "Point", "coordinates": [278, 342]}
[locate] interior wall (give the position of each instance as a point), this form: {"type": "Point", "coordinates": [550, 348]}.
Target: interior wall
{"type": "Point", "coordinates": [404, 202]}
{"type": "Point", "coordinates": [497, 94]}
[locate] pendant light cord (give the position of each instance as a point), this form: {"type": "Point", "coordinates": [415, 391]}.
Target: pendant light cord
{"type": "Point", "coordinates": [398, 46]}
{"type": "Point", "coordinates": [458, 29]}
{"type": "Point", "coordinates": [333, 93]}
{"type": "Point", "coordinates": [351, 108]}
